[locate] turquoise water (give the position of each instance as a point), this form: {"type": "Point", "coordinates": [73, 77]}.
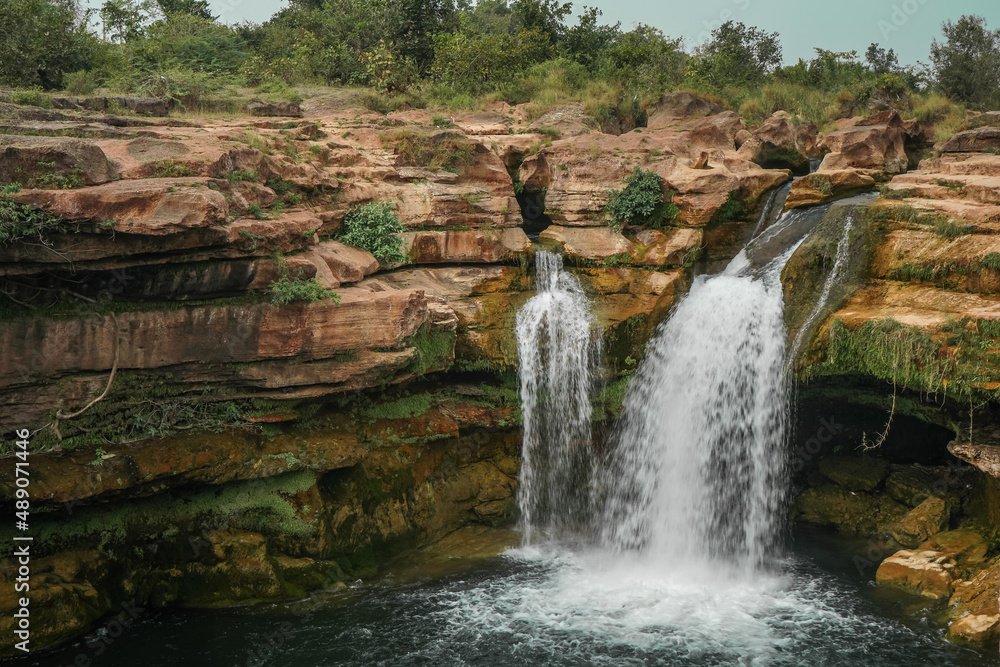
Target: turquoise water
{"type": "Point", "coordinates": [561, 605]}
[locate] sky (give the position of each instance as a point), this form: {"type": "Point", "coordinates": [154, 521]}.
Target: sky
{"type": "Point", "coordinates": [907, 26]}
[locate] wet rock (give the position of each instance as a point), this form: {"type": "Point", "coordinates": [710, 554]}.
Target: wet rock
{"type": "Point", "coordinates": [826, 185]}
{"type": "Point", "coordinates": [974, 607]}
{"type": "Point", "coordinates": [854, 473]}
{"type": "Point", "coordinates": [926, 520]}
{"type": "Point", "coordinates": [924, 573]}
{"type": "Point", "coordinates": [911, 485]}
{"type": "Point", "coordinates": [852, 513]}
{"type": "Point", "coordinates": [670, 247]}
{"type": "Point", "coordinates": [984, 457]}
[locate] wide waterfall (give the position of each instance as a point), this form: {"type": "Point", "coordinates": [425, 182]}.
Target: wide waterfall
{"type": "Point", "coordinates": [698, 462]}
{"type": "Point", "coordinates": [555, 348]}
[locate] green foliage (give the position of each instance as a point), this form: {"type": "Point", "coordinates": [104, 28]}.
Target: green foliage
{"type": "Point", "coordinates": [33, 97]}
{"type": "Point", "coordinates": [42, 40]}
{"type": "Point", "coordinates": [256, 211]}
{"type": "Point", "coordinates": [735, 56]}
{"type": "Point", "coordinates": [448, 151]}
{"type": "Point", "coordinates": [641, 201]}
{"type": "Point", "coordinates": [731, 208]}
{"type": "Point", "coordinates": [482, 63]}
{"type": "Point", "coordinates": [81, 83]}
{"type": "Point", "coordinates": [238, 175]}
{"type": "Point", "coordinates": [434, 350]}
{"type": "Point", "coordinates": [822, 184]}
{"type": "Point", "coordinates": [172, 169]}
{"type": "Point", "coordinates": [375, 228]}
{"type": "Point", "coordinates": [890, 193]}
{"type": "Point", "coordinates": [286, 290]}
{"type": "Point", "coordinates": [19, 222]}
{"type": "Point", "coordinates": [948, 229]}
{"type": "Point", "coordinates": [967, 64]}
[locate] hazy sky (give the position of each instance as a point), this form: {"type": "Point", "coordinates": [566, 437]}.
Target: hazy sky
{"type": "Point", "coordinates": [908, 26]}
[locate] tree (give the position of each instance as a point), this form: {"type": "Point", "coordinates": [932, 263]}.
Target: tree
{"type": "Point", "coordinates": [419, 21]}
{"type": "Point", "coordinates": [881, 61]}
{"type": "Point", "coordinates": [736, 55]}
{"type": "Point", "coordinates": [586, 41]}
{"type": "Point", "coordinates": [197, 8]}
{"type": "Point", "coordinates": [967, 65]}
{"type": "Point", "coordinates": [546, 16]}
{"type": "Point", "coordinates": [124, 20]}
{"type": "Point", "coordinates": [41, 40]}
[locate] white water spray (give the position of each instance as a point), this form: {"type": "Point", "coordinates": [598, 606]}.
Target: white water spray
{"type": "Point", "coordinates": [697, 469]}
{"type": "Point", "coordinates": [555, 351]}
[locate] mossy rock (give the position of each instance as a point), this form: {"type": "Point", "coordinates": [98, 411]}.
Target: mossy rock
{"type": "Point", "coordinates": [854, 473]}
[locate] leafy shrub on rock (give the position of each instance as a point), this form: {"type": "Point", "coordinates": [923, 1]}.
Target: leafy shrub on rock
{"type": "Point", "coordinates": [375, 228]}
{"type": "Point", "coordinates": [642, 201]}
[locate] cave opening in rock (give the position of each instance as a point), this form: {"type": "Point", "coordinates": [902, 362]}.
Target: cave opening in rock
{"type": "Point", "coordinates": [532, 203]}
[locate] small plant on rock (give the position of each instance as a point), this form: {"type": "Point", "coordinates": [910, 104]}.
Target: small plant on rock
{"type": "Point", "coordinates": [642, 201]}
{"type": "Point", "coordinates": [375, 228]}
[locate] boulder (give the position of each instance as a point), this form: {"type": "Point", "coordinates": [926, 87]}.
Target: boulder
{"type": "Point", "coordinates": [781, 142]}
{"type": "Point", "coordinates": [826, 185]}
{"type": "Point", "coordinates": [924, 573]}
{"type": "Point", "coordinates": [854, 473]}
{"type": "Point", "coordinates": [470, 246]}
{"type": "Point", "coordinates": [483, 123]}
{"type": "Point", "coordinates": [922, 522]}
{"type": "Point", "coordinates": [879, 147]}
{"type": "Point", "coordinates": [52, 162]}
{"type": "Point", "coordinates": [347, 264]}
{"type": "Point", "coordinates": [669, 247]}
{"type": "Point", "coordinates": [973, 141]}
{"type": "Point", "coordinates": [592, 243]}
{"type": "Point", "coordinates": [853, 513]}
{"type": "Point", "coordinates": [984, 457]}
{"type": "Point", "coordinates": [911, 485]}
{"type": "Point", "coordinates": [280, 109]}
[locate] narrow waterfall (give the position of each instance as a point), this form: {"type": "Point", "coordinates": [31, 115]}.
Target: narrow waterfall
{"type": "Point", "coordinates": [698, 464]}
{"type": "Point", "coordinates": [555, 349]}
{"type": "Point", "coordinates": [839, 263]}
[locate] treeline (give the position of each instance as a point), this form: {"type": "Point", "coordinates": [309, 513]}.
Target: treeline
{"type": "Point", "coordinates": [452, 52]}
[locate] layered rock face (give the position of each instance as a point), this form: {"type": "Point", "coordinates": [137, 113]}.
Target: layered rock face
{"type": "Point", "coordinates": [196, 441]}
{"type": "Point", "coordinates": [912, 327]}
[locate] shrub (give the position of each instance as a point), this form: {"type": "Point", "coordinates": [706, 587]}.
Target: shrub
{"type": "Point", "coordinates": [32, 97]}
{"type": "Point", "coordinates": [81, 83]}
{"type": "Point", "coordinates": [18, 221]}
{"type": "Point", "coordinates": [285, 290]}
{"type": "Point", "coordinates": [447, 151]}
{"type": "Point", "coordinates": [375, 228]}
{"type": "Point", "coordinates": [642, 201]}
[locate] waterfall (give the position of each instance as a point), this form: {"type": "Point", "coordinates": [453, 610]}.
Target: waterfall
{"type": "Point", "coordinates": [843, 249]}
{"type": "Point", "coordinates": [698, 461]}
{"type": "Point", "coordinates": [555, 350]}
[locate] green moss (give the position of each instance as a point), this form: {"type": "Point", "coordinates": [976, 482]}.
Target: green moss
{"type": "Point", "coordinates": [260, 506]}
{"type": "Point", "coordinates": [408, 406]}
{"type": "Point", "coordinates": [913, 359]}
{"type": "Point", "coordinates": [435, 350]}
{"type": "Point", "coordinates": [728, 211]}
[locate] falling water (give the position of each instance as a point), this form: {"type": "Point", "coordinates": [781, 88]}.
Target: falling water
{"type": "Point", "coordinates": [843, 248]}
{"type": "Point", "coordinates": [555, 350]}
{"type": "Point", "coordinates": [697, 468]}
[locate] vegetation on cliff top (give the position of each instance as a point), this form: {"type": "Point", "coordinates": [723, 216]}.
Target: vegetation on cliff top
{"type": "Point", "coordinates": [458, 55]}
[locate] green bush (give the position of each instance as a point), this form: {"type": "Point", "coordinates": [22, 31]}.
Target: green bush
{"type": "Point", "coordinates": [32, 97]}
{"type": "Point", "coordinates": [642, 201]}
{"type": "Point", "coordinates": [19, 222]}
{"type": "Point", "coordinates": [375, 228]}
{"type": "Point", "coordinates": [81, 83]}
{"type": "Point", "coordinates": [285, 290]}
